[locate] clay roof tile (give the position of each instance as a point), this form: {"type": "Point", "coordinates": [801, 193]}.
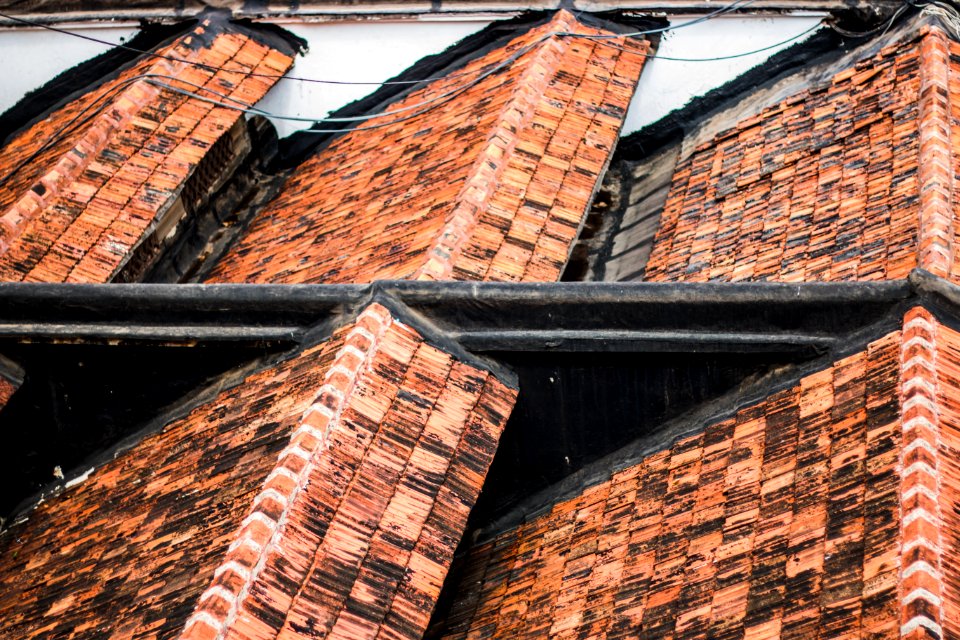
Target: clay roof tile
{"type": "Point", "coordinates": [464, 190]}
{"type": "Point", "coordinates": [83, 187]}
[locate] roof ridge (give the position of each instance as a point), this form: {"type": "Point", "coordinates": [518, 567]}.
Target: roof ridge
{"type": "Point", "coordinates": [935, 170]}
{"type": "Point", "coordinates": [921, 587]}
{"type": "Point", "coordinates": [484, 176]}
{"type": "Point", "coordinates": [248, 554]}
{"type": "Point", "coordinates": [94, 139]}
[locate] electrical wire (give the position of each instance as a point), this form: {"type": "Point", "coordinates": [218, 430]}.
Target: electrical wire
{"type": "Point", "coordinates": [427, 103]}
{"type": "Point", "coordinates": [417, 109]}
{"type": "Point", "coordinates": [738, 4]}
{"type": "Point", "coordinates": [656, 56]}
{"type": "Point", "coordinates": [881, 28]}
{"type": "Point", "coordinates": [946, 11]}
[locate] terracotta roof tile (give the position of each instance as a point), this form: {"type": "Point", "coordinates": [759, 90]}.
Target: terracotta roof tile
{"type": "Point", "coordinates": [323, 494]}
{"type": "Point", "coordinates": [80, 189]}
{"type": "Point", "coordinates": [128, 551]}
{"type": "Point", "coordinates": [848, 181]}
{"type": "Point", "coordinates": [492, 185]}
{"type": "Point", "coordinates": [7, 389]}
{"type": "Point", "coordinates": [782, 521]}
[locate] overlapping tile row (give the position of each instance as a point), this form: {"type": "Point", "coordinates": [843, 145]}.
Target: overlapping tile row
{"type": "Point", "coordinates": [353, 532]}
{"type": "Point", "coordinates": [127, 551]}
{"type": "Point", "coordinates": [486, 174]}
{"type": "Point", "coordinates": [82, 188]}
{"type": "Point", "coordinates": [829, 184]}
{"type": "Point", "coordinates": [782, 521]}
{"type": "Point", "coordinates": [930, 529]}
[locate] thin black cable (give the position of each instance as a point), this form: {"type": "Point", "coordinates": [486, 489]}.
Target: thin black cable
{"type": "Point", "coordinates": [428, 105]}
{"type": "Point", "coordinates": [738, 4]}
{"type": "Point", "coordinates": [451, 94]}
{"type": "Point", "coordinates": [656, 56]}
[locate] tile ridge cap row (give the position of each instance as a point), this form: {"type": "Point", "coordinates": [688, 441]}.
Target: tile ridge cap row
{"type": "Point", "coordinates": [96, 137]}
{"type": "Point", "coordinates": [935, 161]}
{"type": "Point", "coordinates": [921, 583]}
{"type": "Point", "coordinates": [260, 533]}
{"type": "Point", "coordinates": [483, 179]}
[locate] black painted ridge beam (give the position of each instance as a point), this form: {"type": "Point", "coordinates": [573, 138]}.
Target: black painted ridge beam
{"type": "Point", "coordinates": [758, 316]}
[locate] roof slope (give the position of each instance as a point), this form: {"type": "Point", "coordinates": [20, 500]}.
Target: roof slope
{"type": "Point", "coordinates": [324, 493]}
{"type": "Point", "coordinates": [850, 181]}
{"type": "Point", "coordinates": [128, 551]}
{"type": "Point", "coordinates": [790, 519]}
{"type": "Point", "coordinates": [483, 175]}
{"type": "Point", "coordinates": [82, 188]}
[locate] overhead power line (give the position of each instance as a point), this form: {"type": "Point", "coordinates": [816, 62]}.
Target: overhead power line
{"type": "Point", "coordinates": [223, 100]}
{"type": "Point", "coordinates": [738, 4]}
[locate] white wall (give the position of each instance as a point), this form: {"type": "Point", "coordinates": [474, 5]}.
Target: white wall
{"type": "Point", "coordinates": [354, 51]}
{"type": "Point", "coordinates": [30, 57]}
{"type": "Point", "coordinates": [666, 85]}
{"type": "Point", "coordinates": [376, 51]}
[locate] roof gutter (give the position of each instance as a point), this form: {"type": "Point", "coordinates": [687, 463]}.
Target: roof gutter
{"type": "Point", "coordinates": [338, 10]}
{"type": "Point", "coordinates": [482, 317]}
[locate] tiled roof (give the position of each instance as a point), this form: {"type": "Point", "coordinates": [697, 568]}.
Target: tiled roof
{"type": "Point", "coordinates": [7, 389]}
{"type": "Point", "coordinates": [128, 551]}
{"type": "Point", "coordinates": [491, 185]}
{"type": "Point", "coordinates": [325, 492]}
{"type": "Point", "coordinates": [82, 188]}
{"type": "Point", "coordinates": [849, 181]}
{"type": "Point", "coordinates": [793, 518]}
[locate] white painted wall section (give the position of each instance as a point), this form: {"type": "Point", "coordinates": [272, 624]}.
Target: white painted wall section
{"type": "Point", "coordinates": [352, 52]}
{"type": "Point", "coordinates": [31, 57]}
{"type": "Point", "coordinates": [667, 84]}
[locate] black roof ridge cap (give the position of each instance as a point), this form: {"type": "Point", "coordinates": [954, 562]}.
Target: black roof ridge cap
{"type": "Point", "coordinates": [409, 292]}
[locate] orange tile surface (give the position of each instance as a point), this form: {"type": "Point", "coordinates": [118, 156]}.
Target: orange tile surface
{"type": "Point", "coordinates": [76, 208]}
{"type": "Point", "coordinates": [492, 185]}
{"type": "Point", "coordinates": [7, 389]}
{"type": "Point", "coordinates": [849, 181]}
{"type": "Point", "coordinates": [127, 552]}
{"type": "Point", "coordinates": [930, 529]}
{"type": "Point", "coordinates": [782, 521]}
{"type": "Point", "coordinates": [325, 494]}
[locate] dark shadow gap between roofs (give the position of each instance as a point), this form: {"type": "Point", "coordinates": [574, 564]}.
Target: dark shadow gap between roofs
{"type": "Point", "coordinates": [80, 404]}
{"type": "Point", "coordinates": [499, 510]}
